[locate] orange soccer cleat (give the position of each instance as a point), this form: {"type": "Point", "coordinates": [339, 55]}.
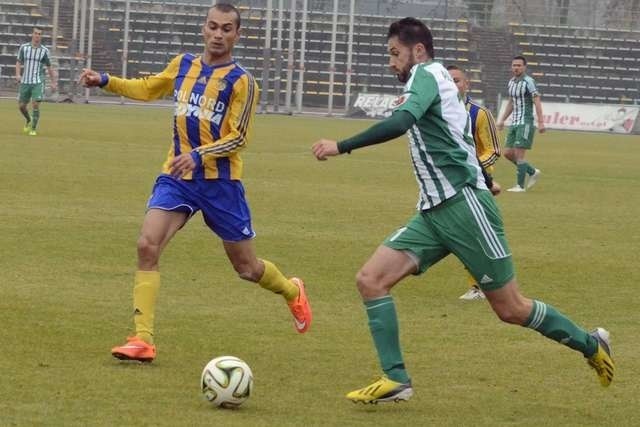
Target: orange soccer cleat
{"type": "Point", "coordinates": [135, 349]}
{"type": "Point", "coordinates": [300, 308]}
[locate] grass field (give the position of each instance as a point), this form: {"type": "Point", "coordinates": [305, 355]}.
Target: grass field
{"type": "Point", "coordinates": [72, 202]}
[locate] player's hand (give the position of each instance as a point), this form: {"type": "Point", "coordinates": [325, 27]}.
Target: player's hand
{"type": "Point", "coordinates": [495, 188]}
{"type": "Point", "coordinates": [181, 165]}
{"type": "Point", "coordinates": [500, 125]}
{"type": "Point", "coordinates": [89, 78]}
{"type": "Point", "coordinates": [324, 148]}
{"type": "Point", "coordinates": [54, 86]}
{"type": "Point", "coordinates": [18, 78]}
{"type": "Point", "coordinates": [541, 127]}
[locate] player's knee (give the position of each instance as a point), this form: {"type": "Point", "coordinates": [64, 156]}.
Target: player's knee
{"type": "Point", "coordinates": [507, 316]}
{"type": "Point", "coordinates": [369, 284]}
{"type": "Point", "coordinates": [247, 271]}
{"type": "Point", "coordinates": [511, 314]}
{"type": "Point", "coordinates": [148, 250]}
{"type": "Point", "coordinates": [248, 275]}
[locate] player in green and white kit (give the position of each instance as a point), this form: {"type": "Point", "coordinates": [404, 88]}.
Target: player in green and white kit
{"type": "Point", "coordinates": [31, 58]}
{"type": "Point", "coordinates": [523, 96]}
{"type": "Point", "coordinates": [455, 214]}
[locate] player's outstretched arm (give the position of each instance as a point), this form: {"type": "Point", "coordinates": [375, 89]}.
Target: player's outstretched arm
{"type": "Point", "coordinates": [89, 78]}
{"type": "Point", "coordinates": [386, 130]}
{"type": "Point", "coordinates": [324, 148]}
{"type": "Point", "coordinates": [144, 89]}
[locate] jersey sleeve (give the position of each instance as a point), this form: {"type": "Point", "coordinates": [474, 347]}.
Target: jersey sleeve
{"type": "Point", "coordinates": [46, 60]}
{"type": "Point", "coordinates": [486, 139]}
{"type": "Point", "coordinates": [148, 88]}
{"type": "Point", "coordinates": [21, 54]}
{"type": "Point", "coordinates": [239, 117]}
{"type": "Point", "coordinates": [531, 87]}
{"type": "Point", "coordinates": [419, 93]}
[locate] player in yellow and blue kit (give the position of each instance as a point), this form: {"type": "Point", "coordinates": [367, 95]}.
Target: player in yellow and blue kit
{"type": "Point", "coordinates": [487, 142]}
{"type": "Point", "coordinates": [215, 101]}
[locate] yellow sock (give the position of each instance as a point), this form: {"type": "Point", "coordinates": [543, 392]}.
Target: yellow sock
{"type": "Point", "coordinates": [273, 280]}
{"type": "Point", "coordinates": [145, 292]}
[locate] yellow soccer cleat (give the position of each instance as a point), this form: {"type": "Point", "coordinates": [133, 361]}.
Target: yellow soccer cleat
{"type": "Point", "coordinates": [33, 132]}
{"type": "Point", "coordinates": [601, 360]}
{"type": "Point", "coordinates": [26, 128]}
{"type": "Point", "coordinates": [382, 390]}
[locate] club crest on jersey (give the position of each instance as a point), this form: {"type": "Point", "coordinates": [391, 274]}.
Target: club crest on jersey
{"type": "Point", "coordinates": [222, 85]}
{"type": "Point", "coordinates": [399, 101]}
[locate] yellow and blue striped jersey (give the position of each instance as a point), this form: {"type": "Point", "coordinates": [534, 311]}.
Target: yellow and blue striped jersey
{"type": "Point", "coordinates": [483, 129]}
{"type": "Point", "coordinates": [213, 115]}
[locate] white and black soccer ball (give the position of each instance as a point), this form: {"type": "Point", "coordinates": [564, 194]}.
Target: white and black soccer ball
{"type": "Point", "coordinates": [226, 381]}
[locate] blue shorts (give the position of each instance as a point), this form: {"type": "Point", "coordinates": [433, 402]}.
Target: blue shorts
{"type": "Point", "coordinates": [222, 202]}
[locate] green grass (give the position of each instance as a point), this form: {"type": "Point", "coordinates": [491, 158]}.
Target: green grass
{"type": "Point", "coordinates": [72, 203]}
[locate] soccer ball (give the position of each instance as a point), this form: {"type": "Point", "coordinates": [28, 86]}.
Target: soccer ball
{"type": "Point", "coordinates": [227, 381]}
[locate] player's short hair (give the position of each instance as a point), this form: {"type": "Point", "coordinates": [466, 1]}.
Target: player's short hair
{"type": "Point", "coordinates": [455, 67]}
{"type": "Point", "coordinates": [521, 58]}
{"type": "Point", "coordinates": [410, 32]}
{"type": "Point", "coordinates": [36, 29]}
{"type": "Point", "coordinates": [228, 8]}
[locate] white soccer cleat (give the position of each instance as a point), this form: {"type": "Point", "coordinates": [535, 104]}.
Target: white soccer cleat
{"type": "Point", "coordinates": [474, 293]}
{"type": "Point", "coordinates": [533, 179]}
{"type": "Point", "coordinates": [516, 189]}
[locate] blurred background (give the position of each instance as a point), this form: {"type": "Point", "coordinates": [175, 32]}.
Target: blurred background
{"type": "Point", "coordinates": [317, 55]}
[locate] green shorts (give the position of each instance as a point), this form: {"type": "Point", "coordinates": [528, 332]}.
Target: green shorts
{"type": "Point", "coordinates": [520, 136]}
{"type": "Point", "coordinates": [28, 92]}
{"type": "Point", "coordinates": [469, 226]}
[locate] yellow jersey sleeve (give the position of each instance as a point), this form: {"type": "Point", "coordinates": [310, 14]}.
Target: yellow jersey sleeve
{"type": "Point", "coordinates": [486, 139]}
{"type": "Point", "coordinates": [238, 126]}
{"type": "Point", "coordinates": [148, 88]}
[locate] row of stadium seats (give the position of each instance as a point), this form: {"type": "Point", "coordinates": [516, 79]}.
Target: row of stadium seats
{"type": "Point", "coordinates": [173, 29]}
{"type": "Point", "coordinates": [17, 20]}
{"type": "Point", "coordinates": [594, 64]}
{"type": "Point", "coordinates": [606, 61]}
{"type": "Point", "coordinates": [159, 31]}
{"type": "Point", "coordinates": [578, 32]}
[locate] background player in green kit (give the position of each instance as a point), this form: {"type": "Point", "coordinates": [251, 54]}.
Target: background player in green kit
{"type": "Point", "coordinates": [523, 96]}
{"type": "Point", "coordinates": [455, 214]}
{"type": "Point", "coordinates": [31, 58]}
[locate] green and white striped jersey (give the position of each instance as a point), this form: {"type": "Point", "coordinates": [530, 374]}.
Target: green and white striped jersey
{"type": "Point", "coordinates": [522, 90]}
{"type": "Point", "coordinates": [33, 59]}
{"type": "Point", "coordinates": [440, 142]}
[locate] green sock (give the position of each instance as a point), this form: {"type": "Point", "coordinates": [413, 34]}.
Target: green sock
{"type": "Point", "coordinates": [530, 169]}
{"type": "Point", "coordinates": [558, 327]}
{"type": "Point", "coordinates": [522, 170]}
{"type": "Point", "coordinates": [383, 323]}
{"type": "Point", "coordinates": [26, 115]}
{"type": "Point", "coordinates": [36, 117]}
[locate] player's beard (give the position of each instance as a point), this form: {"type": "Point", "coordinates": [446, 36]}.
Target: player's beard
{"type": "Point", "coordinates": [403, 76]}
